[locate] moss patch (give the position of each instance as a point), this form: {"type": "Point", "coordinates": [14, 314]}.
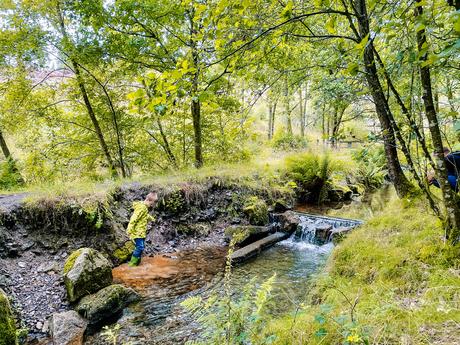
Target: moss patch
{"type": "Point", "coordinates": [256, 210]}
{"type": "Point", "coordinates": [71, 260]}
{"type": "Point", "coordinates": [7, 325]}
{"type": "Point", "coordinates": [124, 252]}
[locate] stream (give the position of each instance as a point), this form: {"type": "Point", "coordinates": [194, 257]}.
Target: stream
{"type": "Point", "coordinates": [164, 281]}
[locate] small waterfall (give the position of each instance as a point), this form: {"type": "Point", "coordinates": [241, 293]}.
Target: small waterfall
{"type": "Point", "coordinates": [320, 229]}
{"type": "Point", "coordinates": [306, 230]}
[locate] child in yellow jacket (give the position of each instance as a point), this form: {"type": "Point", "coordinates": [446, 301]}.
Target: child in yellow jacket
{"type": "Point", "coordinates": [137, 227]}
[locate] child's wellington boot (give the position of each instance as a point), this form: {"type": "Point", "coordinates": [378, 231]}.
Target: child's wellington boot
{"type": "Point", "coordinates": [134, 261]}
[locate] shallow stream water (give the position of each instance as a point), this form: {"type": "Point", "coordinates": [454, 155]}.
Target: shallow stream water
{"type": "Point", "coordinates": [165, 281]}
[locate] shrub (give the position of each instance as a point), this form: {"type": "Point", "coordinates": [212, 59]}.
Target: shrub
{"type": "Point", "coordinates": [233, 320]}
{"type": "Point", "coordinates": [371, 169]}
{"type": "Point", "coordinates": [311, 173]}
{"type": "Point", "coordinates": [288, 142]}
{"type": "Point", "coordinates": [9, 175]}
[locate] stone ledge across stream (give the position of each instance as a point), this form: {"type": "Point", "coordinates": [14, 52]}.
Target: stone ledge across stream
{"type": "Point", "coordinates": [255, 248]}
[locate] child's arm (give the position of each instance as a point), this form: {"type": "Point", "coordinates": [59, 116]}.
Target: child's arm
{"type": "Point", "coordinates": [136, 216]}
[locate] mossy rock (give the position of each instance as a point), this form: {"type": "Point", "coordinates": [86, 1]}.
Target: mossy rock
{"type": "Point", "coordinates": [256, 210]}
{"type": "Point", "coordinates": [339, 193]}
{"type": "Point", "coordinates": [199, 229]}
{"type": "Point", "coordinates": [124, 252]}
{"type": "Point", "coordinates": [7, 325]}
{"type": "Point", "coordinates": [86, 271]}
{"type": "Point", "coordinates": [106, 303]}
{"type": "Point", "coordinates": [71, 260]}
{"type": "Point", "coordinates": [244, 234]}
{"type": "Point", "coordinates": [281, 205]}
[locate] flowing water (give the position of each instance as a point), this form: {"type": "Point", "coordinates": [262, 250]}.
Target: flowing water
{"type": "Point", "coordinates": [165, 281]}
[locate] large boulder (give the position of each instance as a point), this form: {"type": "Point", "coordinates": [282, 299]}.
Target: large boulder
{"type": "Point", "coordinates": [7, 325]}
{"type": "Point", "coordinates": [106, 303]}
{"type": "Point", "coordinates": [85, 272]}
{"type": "Point", "coordinates": [339, 193]}
{"type": "Point", "coordinates": [67, 328]}
{"type": "Point", "coordinates": [245, 234]}
{"type": "Point", "coordinates": [256, 210]}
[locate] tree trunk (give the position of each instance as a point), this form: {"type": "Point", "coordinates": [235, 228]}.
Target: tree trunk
{"type": "Point", "coordinates": [118, 134]}
{"type": "Point", "coordinates": [117, 129]}
{"type": "Point", "coordinates": [167, 147]}
{"type": "Point", "coordinates": [89, 108]}
{"type": "Point", "coordinates": [395, 172]}
{"type": "Point", "coordinates": [270, 110]}
{"type": "Point", "coordinates": [195, 105]}
{"type": "Point", "coordinates": [449, 197]}
{"type": "Point", "coordinates": [404, 147]}
{"type": "Point", "coordinates": [338, 116]}
{"type": "Point", "coordinates": [271, 118]}
{"type": "Point", "coordinates": [92, 115]}
{"type": "Point", "coordinates": [413, 125]}
{"type": "Point", "coordinates": [301, 114]}
{"type": "Point", "coordinates": [196, 115]}
{"type": "Point", "coordinates": [6, 151]}
{"type": "Point", "coordinates": [305, 101]}
{"type": "Point", "coordinates": [323, 123]}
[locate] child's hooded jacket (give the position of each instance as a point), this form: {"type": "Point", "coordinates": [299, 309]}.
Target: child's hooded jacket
{"type": "Point", "coordinates": [137, 227]}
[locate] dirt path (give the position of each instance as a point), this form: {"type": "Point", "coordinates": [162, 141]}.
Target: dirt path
{"type": "Point", "coordinates": [9, 202]}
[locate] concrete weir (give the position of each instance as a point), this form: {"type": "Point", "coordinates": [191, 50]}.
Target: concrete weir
{"type": "Point", "coordinates": [302, 227]}
{"type": "Point", "coordinates": [255, 248]}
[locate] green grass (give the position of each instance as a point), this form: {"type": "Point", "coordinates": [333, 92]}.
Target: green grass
{"type": "Point", "coordinates": [405, 279]}
{"type": "Point", "coordinates": [266, 165]}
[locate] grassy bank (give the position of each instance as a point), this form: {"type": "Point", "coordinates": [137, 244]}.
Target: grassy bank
{"type": "Point", "coordinates": [266, 166]}
{"type": "Point", "coordinates": [392, 281]}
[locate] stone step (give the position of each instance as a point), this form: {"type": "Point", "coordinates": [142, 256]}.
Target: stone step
{"type": "Point", "coordinates": [255, 248]}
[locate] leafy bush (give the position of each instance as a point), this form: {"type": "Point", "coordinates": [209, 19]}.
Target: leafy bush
{"type": "Point", "coordinates": [230, 320]}
{"type": "Point", "coordinates": [311, 173]}
{"type": "Point", "coordinates": [227, 318]}
{"type": "Point", "coordinates": [288, 142]}
{"type": "Point", "coordinates": [371, 170]}
{"type": "Point", "coordinates": [9, 175]}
